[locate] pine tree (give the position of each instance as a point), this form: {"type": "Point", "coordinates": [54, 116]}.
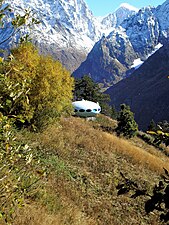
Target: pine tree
{"type": "Point", "coordinates": [86, 89]}
{"type": "Point", "coordinates": [126, 123]}
{"type": "Point", "coordinates": [152, 126]}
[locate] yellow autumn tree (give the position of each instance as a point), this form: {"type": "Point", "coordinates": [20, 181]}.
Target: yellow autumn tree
{"type": "Point", "coordinates": [41, 87]}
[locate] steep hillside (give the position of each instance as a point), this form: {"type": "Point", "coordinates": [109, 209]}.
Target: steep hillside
{"type": "Point", "coordinates": [85, 165]}
{"type": "Point", "coordinates": [146, 91]}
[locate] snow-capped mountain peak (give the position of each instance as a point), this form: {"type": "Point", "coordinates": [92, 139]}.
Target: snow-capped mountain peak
{"type": "Point", "coordinates": [128, 6]}
{"type": "Point", "coordinates": [69, 30]}
{"type": "Point", "coordinates": [116, 18]}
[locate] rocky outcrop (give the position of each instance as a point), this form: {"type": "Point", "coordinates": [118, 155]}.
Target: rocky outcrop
{"type": "Point", "coordinates": [109, 59]}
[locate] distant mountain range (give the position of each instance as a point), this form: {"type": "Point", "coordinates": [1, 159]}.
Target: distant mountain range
{"type": "Point", "coordinates": [68, 29]}
{"type": "Point", "coordinates": [137, 37]}
{"type": "Point", "coordinates": [69, 32]}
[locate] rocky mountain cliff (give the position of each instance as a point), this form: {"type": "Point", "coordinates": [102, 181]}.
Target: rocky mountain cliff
{"type": "Point", "coordinates": [109, 59]}
{"type": "Point", "coordinates": [65, 26]}
{"type": "Point", "coordinates": [68, 29]}
{"type": "Point", "coordinates": [139, 35]}
{"type": "Point", "coordinates": [146, 90]}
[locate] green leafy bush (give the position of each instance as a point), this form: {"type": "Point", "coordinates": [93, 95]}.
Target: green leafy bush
{"type": "Point", "coordinates": [19, 179]}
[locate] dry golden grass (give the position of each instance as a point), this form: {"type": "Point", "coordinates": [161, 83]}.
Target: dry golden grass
{"type": "Point", "coordinates": [37, 215]}
{"type": "Point", "coordinates": [75, 133]}
{"type": "Point", "coordinates": [149, 148]}
{"type": "Point", "coordinates": [87, 170]}
{"type": "Point", "coordinates": [139, 155]}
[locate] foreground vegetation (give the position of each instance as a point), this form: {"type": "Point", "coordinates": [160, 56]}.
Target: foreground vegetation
{"type": "Point", "coordinates": [33, 87]}
{"type": "Point", "coordinates": [82, 165]}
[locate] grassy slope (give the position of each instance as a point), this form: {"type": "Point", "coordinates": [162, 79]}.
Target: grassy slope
{"type": "Point", "coordinates": [85, 165]}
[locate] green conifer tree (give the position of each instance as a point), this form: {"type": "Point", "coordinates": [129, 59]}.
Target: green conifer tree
{"type": "Point", "coordinates": [126, 123]}
{"type": "Point", "coordinates": [152, 126]}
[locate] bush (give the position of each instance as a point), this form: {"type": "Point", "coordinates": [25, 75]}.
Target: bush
{"type": "Point", "coordinates": [146, 137]}
{"type": "Point", "coordinates": [18, 171]}
{"type": "Point", "coordinates": [159, 132]}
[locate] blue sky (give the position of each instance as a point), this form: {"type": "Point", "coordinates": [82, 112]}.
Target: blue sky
{"type": "Point", "coordinates": [104, 7]}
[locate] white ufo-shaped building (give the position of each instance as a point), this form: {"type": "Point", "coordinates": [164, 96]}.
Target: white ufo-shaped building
{"type": "Point", "coordinates": [86, 108]}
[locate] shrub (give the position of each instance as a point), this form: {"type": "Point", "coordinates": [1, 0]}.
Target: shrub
{"type": "Point", "coordinates": [146, 137]}
{"type": "Point", "coordinates": [18, 171]}
{"type": "Point", "coordinates": [159, 132]}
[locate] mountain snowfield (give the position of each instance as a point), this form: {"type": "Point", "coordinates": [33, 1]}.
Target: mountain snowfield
{"type": "Point", "coordinates": [74, 16]}
{"type": "Point", "coordinates": [138, 62]}
{"type": "Point", "coordinates": [68, 29]}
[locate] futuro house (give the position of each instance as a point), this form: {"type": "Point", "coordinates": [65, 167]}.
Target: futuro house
{"type": "Point", "coordinates": [86, 108]}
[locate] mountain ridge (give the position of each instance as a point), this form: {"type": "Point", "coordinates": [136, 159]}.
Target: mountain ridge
{"type": "Point", "coordinates": [68, 29]}
{"type": "Point", "coordinates": [136, 37]}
